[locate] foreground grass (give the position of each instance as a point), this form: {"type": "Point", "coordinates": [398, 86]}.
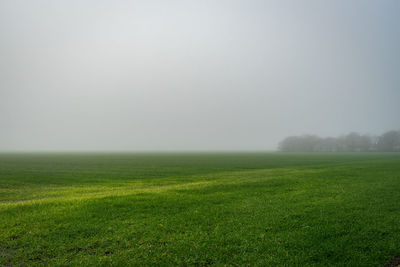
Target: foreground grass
{"type": "Point", "coordinates": [199, 209]}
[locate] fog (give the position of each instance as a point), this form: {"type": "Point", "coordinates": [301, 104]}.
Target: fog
{"type": "Point", "coordinates": [195, 75]}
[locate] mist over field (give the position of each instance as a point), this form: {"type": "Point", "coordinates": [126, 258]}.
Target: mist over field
{"type": "Point", "coordinates": [270, 128]}
{"type": "Point", "coordinates": [195, 75]}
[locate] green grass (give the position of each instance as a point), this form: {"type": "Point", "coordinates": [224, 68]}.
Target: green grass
{"type": "Point", "coordinates": [199, 209]}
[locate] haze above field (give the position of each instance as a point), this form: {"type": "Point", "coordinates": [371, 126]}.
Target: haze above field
{"type": "Point", "coordinates": [194, 75]}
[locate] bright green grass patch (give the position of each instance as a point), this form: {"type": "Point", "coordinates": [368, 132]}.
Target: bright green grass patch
{"type": "Point", "coordinates": [199, 209]}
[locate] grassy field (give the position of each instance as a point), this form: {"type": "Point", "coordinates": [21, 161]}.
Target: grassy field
{"type": "Point", "coordinates": [199, 209]}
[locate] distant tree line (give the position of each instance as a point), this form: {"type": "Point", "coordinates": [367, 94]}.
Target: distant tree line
{"type": "Point", "coordinates": [352, 142]}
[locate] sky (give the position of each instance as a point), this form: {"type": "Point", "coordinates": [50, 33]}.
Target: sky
{"type": "Point", "coordinates": [195, 75]}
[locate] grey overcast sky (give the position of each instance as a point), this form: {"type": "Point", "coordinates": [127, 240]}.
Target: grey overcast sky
{"type": "Point", "coordinates": [195, 75]}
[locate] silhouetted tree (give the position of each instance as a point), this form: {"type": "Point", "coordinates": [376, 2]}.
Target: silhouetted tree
{"type": "Point", "coordinates": [352, 142]}
{"type": "Point", "coordinates": [389, 141]}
